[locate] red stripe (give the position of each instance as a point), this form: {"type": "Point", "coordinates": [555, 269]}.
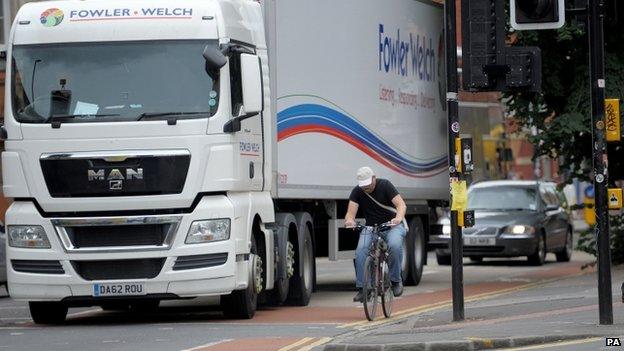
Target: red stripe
{"type": "Point", "coordinates": [127, 18]}
{"type": "Point", "coordinates": [315, 128]}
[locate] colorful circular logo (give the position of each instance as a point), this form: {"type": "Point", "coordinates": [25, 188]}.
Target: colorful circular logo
{"type": "Point", "coordinates": [52, 17]}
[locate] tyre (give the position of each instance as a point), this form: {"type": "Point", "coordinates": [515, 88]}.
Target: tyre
{"type": "Point", "coordinates": [539, 256]}
{"type": "Point", "coordinates": [242, 304]}
{"type": "Point", "coordinates": [566, 253]}
{"type": "Point", "coordinates": [443, 260]}
{"type": "Point", "coordinates": [370, 288]}
{"type": "Point", "coordinates": [48, 312]}
{"type": "Point", "coordinates": [386, 291]}
{"type": "Point", "coordinates": [476, 259]}
{"type": "Point", "coordinates": [302, 282]}
{"type": "Point", "coordinates": [416, 251]}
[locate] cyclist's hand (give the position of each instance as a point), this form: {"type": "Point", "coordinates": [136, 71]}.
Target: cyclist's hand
{"type": "Point", "coordinates": [396, 221]}
{"type": "Point", "coordinates": [350, 224]}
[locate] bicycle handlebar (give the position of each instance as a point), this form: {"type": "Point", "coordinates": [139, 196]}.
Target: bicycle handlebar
{"type": "Point", "coordinates": [380, 227]}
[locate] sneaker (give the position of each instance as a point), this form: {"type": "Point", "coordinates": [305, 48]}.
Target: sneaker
{"type": "Point", "coordinates": [359, 297]}
{"type": "Point", "coordinates": [397, 289]}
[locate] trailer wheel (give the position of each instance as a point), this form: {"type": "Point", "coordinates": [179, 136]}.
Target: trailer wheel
{"type": "Point", "coordinates": [242, 304]}
{"type": "Point", "coordinates": [302, 282]}
{"type": "Point", "coordinates": [48, 312]}
{"type": "Point", "coordinates": [415, 245]}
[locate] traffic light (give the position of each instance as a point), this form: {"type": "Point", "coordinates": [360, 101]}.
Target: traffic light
{"type": "Point", "coordinates": [537, 14]}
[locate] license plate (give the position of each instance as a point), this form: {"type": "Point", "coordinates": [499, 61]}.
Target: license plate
{"type": "Point", "coordinates": [118, 289]}
{"type": "Point", "coordinates": [479, 241]}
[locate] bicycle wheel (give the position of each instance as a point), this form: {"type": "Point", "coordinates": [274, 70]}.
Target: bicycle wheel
{"type": "Point", "coordinates": [386, 290]}
{"type": "Point", "coordinates": [369, 288]}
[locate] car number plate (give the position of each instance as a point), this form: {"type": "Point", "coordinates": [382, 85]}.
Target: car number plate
{"type": "Point", "coordinates": [118, 289]}
{"type": "Point", "coordinates": [479, 241]}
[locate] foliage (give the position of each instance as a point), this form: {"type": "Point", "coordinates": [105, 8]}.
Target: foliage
{"type": "Point", "coordinates": [561, 113]}
{"type": "Point", "coordinates": [587, 240]}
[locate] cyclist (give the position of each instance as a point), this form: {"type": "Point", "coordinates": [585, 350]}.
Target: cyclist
{"type": "Point", "coordinates": [380, 202]}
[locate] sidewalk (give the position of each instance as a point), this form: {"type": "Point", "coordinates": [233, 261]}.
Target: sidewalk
{"type": "Point", "coordinates": [561, 310]}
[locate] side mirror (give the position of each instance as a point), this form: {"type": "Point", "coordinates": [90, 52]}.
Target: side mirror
{"type": "Point", "coordinates": [251, 76]}
{"type": "Point", "coordinates": [552, 208]}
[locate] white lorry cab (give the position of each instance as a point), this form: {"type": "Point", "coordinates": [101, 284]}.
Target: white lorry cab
{"type": "Point", "coordinates": [160, 149]}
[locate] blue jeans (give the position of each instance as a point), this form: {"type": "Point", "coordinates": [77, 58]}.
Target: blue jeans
{"type": "Point", "coordinates": [394, 237]}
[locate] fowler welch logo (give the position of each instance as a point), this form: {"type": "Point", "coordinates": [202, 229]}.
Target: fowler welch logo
{"type": "Point", "coordinates": [52, 17]}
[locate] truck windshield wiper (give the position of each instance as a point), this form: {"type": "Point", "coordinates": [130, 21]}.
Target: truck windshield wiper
{"type": "Point", "coordinates": [56, 120]}
{"type": "Point", "coordinates": [150, 115]}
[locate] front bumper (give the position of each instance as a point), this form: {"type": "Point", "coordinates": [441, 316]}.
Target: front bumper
{"type": "Point", "coordinates": [504, 246]}
{"type": "Point", "coordinates": [70, 284]}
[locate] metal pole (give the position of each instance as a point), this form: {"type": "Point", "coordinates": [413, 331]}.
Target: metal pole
{"type": "Point", "coordinates": [453, 133]}
{"type": "Point", "coordinates": [601, 177]}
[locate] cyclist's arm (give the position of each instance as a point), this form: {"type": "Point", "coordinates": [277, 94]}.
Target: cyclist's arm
{"type": "Point", "coordinates": [399, 204]}
{"type": "Point", "coordinates": [351, 213]}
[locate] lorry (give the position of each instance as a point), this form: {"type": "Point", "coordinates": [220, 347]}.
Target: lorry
{"type": "Point", "coordinates": [160, 149]}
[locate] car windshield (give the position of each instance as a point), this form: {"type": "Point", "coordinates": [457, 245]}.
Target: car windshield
{"type": "Point", "coordinates": [502, 198]}
{"type": "Point", "coordinates": [117, 81]}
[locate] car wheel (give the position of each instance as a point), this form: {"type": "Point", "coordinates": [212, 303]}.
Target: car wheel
{"type": "Point", "coordinates": [539, 256]}
{"type": "Point", "coordinates": [443, 260]}
{"type": "Point", "coordinates": [566, 253]}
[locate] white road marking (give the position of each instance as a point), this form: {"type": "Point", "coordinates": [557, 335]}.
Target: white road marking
{"type": "Point", "coordinates": [196, 348]}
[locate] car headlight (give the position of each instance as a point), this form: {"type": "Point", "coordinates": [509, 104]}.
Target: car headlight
{"type": "Point", "coordinates": [519, 229]}
{"type": "Point", "coordinates": [446, 229]}
{"type": "Point", "coordinates": [208, 231]}
{"type": "Point", "coordinates": [28, 236]}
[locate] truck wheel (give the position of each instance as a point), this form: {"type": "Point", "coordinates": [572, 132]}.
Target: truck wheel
{"type": "Point", "coordinates": [242, 304]}
{"type": "Point", "coordinates": [279, 294]}
{"type": "Point", "coordinates": [415, 245]}
{"type": "Point", "coordinates": [48, 312]}
{"type": "Point", "coordinates": [302, 282]}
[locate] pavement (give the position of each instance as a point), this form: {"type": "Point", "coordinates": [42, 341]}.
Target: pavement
{"type": "Point", "coordinates": [551, 312]}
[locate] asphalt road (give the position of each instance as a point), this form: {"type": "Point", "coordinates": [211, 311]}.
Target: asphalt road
{"type": "Point", "coordinates": [195, 325]}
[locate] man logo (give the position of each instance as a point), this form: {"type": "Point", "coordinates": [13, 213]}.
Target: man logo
{"type": "Point", "coordinates": [613, 342]}
{"type": "Point", "coordinates": [115, 184]}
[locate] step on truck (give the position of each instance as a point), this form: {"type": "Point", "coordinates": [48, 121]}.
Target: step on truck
{"type": "Point", "coordinates": [160, 149]}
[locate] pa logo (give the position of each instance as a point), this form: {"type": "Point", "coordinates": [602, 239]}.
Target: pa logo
{"type": "Point", "coordinates": [613, 342]}
{"type": "Point", "coordinates": [52, 17]}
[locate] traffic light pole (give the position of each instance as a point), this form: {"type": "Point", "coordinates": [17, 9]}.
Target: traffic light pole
{"type": "Point", "coordinates": [453, 133]}
{"type": "Point", "coordinates": [601, 177]}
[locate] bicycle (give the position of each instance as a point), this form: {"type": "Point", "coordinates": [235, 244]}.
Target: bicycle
{"type": "Point", "coordinates": [376, 284]}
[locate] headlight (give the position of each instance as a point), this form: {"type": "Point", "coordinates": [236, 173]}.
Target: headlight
{"type": "Point", "coordinates": [520, 229]}
{"type": "Point", "coordinates": [28, 236]}
{"type": "Point", "coordinates": [208, 231]}
{"type": "Point", "coordinates": [446, 229]}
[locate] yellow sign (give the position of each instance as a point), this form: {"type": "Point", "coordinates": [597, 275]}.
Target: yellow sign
{"type": "Point", "coordinates": [612, 119]}
{"type": "Point", "coordinates": [458, 155]}
{"type": "Point", "coordinates": [614, 198]}
{"type": "Point", "coordinates": [459, 195]}
{"type": "Point", "coordinates": [589, 212]}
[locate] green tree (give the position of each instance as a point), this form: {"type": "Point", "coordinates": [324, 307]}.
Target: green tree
{"type": "Point", "coordinates": [562, 111]}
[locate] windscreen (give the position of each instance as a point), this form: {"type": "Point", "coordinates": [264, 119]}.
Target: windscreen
{"type": "Point", "coordinates": [502, 198]}
{"type": "Point", "coordinates": [117, 81]}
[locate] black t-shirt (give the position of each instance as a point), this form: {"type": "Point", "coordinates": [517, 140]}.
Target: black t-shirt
{"type": "Point", "coordinates": [384, 193]}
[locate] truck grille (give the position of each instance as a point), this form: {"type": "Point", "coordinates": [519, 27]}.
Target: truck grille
{"type": "Point", "coordinates": [200, 261]}
{"type": "Point", "coordinates": [111, 234]}
{"type": "Point", "coordinates": [37, 266]}
{"type": "Point", "coordinates": [115, 174]}
{"type": "Point", "coordinates": [121, 235]}
{"type": "Point", "coordinates": [147, 268]}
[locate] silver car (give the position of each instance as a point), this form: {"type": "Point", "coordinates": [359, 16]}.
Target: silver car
{"type": "Point", "coordinates": [514, 218]}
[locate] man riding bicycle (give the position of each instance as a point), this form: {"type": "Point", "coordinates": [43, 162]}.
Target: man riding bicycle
{"type": "Point", "coordinates": [380, 203]}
